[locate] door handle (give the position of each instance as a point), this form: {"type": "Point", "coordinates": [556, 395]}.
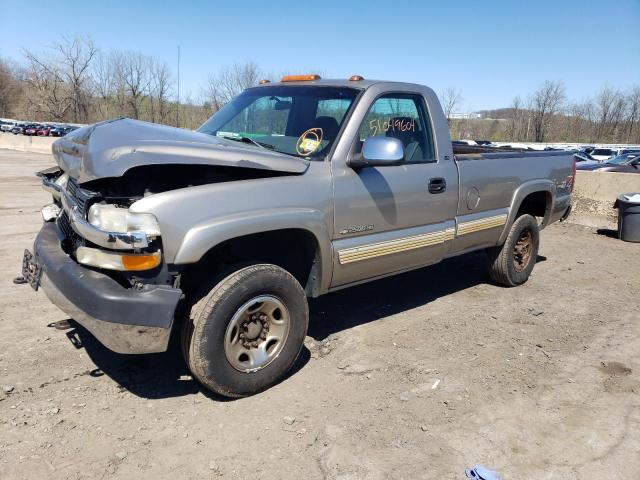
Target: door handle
{"type": "Point", "coordinates": [437, 185]}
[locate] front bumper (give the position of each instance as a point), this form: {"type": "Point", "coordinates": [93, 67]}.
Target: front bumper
{"type": "Point", "coordinates": [124, 320]}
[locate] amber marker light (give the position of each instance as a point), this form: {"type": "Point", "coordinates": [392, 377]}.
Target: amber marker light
{"type": "Point", "coordinates": [300, 78]}
{"type": "Point", "coordinates": [141, 262]}
{"type": "Point", "coordinates": [355, 78]}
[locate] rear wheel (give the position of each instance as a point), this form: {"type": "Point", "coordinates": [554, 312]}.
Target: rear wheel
{"type": "Point", "coordinates": [246, 333]}
{"type": "Point", "coordinates": [511, 264]}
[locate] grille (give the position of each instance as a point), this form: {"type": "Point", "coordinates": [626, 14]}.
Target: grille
{"type": "Point", "coordinates": [65, 227]}
{"type": "Point", "coordinates": [80, 195]}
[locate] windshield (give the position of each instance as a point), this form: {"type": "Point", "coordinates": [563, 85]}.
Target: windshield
{"type": "Point", "coordinates": [621, 159]}
{"type": "Point", "coordinates": [297, 120]}
{"type": "Point", "coordinates": [601, 151]}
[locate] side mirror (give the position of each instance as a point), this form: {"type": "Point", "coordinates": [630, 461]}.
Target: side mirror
{"type": "Point", "coordinates": [379, 152]}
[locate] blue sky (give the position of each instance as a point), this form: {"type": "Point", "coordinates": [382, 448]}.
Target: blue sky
{"type": "Point", "coordinates": [490, 50]}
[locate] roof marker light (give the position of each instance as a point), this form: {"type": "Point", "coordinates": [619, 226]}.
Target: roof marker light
{"type": "Point", "coordinates": [355, 78]}
{"type": "Point", "coordinates": [300, 78]}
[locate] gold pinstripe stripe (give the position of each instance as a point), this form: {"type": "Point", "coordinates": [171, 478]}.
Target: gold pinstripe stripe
{"type": "Point", "coordinates": [481, 224]}
{"type": "Point", "coordinates": [380, 249]}
{"type": "Point", "coordinates": [374, 250]}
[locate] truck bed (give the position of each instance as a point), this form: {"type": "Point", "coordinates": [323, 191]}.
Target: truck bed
{"type": "Point", "coordinates": [473, 152]}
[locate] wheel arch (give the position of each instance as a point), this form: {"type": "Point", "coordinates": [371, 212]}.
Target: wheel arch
{"type": "Point", "coordinates": [283, 238]}
{"type": "Point", "coordinates": [535, 197]}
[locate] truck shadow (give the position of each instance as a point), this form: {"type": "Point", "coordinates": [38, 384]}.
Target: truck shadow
{"type": "Point", "coordinates": [165, 375]}
{"type": "Point", "coordinates": [373, 301]}
{"type": "Point", "coordinates": [153, 375]}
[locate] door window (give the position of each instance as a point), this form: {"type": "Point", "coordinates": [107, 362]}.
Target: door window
{"type": "Point", "coordinates": [402, 116]}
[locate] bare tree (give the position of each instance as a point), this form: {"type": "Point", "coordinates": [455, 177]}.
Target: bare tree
{"type": "Point", "coordinates": [229, 82]}
{"type": "Point", "coordinates": [610, 106]}
{"type": "Point", "coordinates": [633, 115]}
{"type": "Point", "coordinates": [104, 85]}
{"type": "Point", "coordinates": [63, 76]}
{"type": "Point", "coordinates": [160, 85]}
{"type": "Point", "coordinates": [515, 129]}
{"type": "Point", "coordinates": [76, 56]}
{"type": "Point", "coordinates": [48, 94]}
{"type": "Point", "coordinates": [450, 98]}
{"type": "Point", "coordinates": [545, 103]}
{"type": "Point", "coordinates": [135, 71]}
{"type": "Point", "coordinates": [10, 88]}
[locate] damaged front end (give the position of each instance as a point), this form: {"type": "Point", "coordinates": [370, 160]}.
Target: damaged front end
{"type": "Point", "coordinates": [98, 258]}
{"type": "Point", "coordinates": [103, 273]}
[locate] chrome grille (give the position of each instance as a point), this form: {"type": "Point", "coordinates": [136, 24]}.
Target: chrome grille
{"type": "Point", "coordinates": [67, 231]}
{"type": "Point", "coordinates": [79, 195]}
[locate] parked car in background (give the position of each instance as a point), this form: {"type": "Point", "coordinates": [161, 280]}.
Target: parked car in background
{"type": "Point", "coordinates": [583, 159]}
{"type": "Point", "coordinates": [602, 154]}
{"type": "Point", "coordinates": [629, 163]}
{"type": "Point", "coordinates": [44, 131]}
{"type": "Point", "coordinates": [19, 128]}
{"type": "Point", "coordinates": [57, 131]}
{"type": "Point", "coordinates": [621, 164]}
{"type": "Point", "coordinates": [32, 129]}
{"type": "Point", "coordinates": [7, 126]}
{"type": "Point", "coordinates": [627, 151]}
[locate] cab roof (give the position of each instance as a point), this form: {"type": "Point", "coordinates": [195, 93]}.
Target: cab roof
{"type": "Point", "coordinates": [334, 82]}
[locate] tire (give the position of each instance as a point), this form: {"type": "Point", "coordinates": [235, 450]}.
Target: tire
{"type": "Point", "coordinates": [511, 263]}
{"type": "Point", "coordinates": [239, 305]}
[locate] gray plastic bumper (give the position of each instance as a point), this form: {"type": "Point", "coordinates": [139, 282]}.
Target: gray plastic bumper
{"type": "Point", "coordinates": [124, 320]}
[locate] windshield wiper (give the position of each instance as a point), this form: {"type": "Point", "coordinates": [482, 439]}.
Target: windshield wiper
{"type": "Point", "coordinates": [241, 138]}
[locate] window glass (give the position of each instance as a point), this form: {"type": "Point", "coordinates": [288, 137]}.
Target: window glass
{"type": "Point", "coordinates": [334, 108]}
{"type": "Point", "coordinates": [261, 118]}
{"type": "Point", "coordinates": [297, 120]}
{"type": "Point", "coordinates": [402, 116]}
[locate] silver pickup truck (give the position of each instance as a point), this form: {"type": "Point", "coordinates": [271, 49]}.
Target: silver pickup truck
{"type": "Point", "coordinates": [292, 190]}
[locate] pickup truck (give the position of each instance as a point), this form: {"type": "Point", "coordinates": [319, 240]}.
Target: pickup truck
{"type": "Point", "coordinates": [292, 190]}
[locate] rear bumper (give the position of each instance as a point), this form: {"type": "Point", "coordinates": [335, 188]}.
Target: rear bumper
{"type": "Point", "coordinates": [124, 320]}
{"type": "Point", "coordinates": [561, 209]}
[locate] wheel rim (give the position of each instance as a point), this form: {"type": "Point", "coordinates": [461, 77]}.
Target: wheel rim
{"type": "Point", "coordinates": [522, 250]}
{"type": "Point", "coordinates": [257, 333]}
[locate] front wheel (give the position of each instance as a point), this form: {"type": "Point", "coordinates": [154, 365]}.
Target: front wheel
{"type": "Point", "coordinates": [246, 333]}
{"type": "Point", "coordinates": [511, 263]}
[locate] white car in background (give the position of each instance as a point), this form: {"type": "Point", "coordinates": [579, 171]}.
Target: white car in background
{"type": "Point", "coordinates": [602, 154]}
{"type": "Point", "coordinates": [7, 126]}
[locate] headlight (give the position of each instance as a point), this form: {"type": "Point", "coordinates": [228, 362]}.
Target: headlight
{"type": "Point", "coordinates": [118, 219]}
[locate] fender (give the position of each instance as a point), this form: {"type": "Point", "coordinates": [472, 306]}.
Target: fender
{"type": "Point", "coordinates": [532, 186]}
{"type": "Point", "coordinates": [205, 236]}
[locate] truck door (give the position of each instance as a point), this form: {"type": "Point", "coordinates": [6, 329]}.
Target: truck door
{"type": "Point", "coordinates": [393, 218]}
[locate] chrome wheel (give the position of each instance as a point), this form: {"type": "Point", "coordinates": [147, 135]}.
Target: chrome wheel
{"type": "Point", "coordinates": [257, 333]}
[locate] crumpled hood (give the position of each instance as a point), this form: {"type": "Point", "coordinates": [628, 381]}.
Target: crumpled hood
{"type": "Point", "coordinates": [109, 149]}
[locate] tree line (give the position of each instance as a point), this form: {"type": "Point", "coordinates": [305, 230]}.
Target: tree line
{"type": "Point", "coordinates": [547, 115]}
{"type": "Point", "coordinates": [74, 81]}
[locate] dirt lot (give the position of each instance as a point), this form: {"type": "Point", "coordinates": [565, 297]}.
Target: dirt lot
{"type": "Point", "coordinates": [418, 376]}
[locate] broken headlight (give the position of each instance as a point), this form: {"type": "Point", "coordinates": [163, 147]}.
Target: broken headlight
{"type": "Point", "coordinates": [118, 219]}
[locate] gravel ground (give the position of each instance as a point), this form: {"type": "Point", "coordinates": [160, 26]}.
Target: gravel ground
{"type": "Point", "coordinates": [418, 376]}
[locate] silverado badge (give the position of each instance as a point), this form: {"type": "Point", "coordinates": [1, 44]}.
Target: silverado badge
{"type": "Point", "coordinates": [356, 229]}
